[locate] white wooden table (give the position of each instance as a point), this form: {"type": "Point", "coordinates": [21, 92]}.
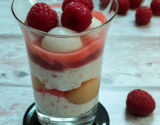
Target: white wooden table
{"type": "Point", "coordinates": [131, 60]}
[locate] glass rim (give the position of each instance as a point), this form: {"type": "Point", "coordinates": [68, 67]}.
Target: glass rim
{"type": "Point", "coordinates": [64, 36]}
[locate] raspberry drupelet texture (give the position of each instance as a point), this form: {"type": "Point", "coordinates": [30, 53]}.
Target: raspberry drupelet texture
{"type": "Point", "coordinates": [140, 103]}
{"type": "Point", "coordinates": [42, 17]}
{"type": "Point", "coordinates": [155, 6]}
{"type": "Point", "coordinates": [76, 16]}
{"type": "Point", "coordinates": [143, 15]}
{"type": "Point", "coordinates": [135, 3]}
{"type": "Point", "coordinates": [88, 3]}
{"type": "Point", "coordinates": [104, 3]}
{"type": "Point", "coordinates": [124, 6]}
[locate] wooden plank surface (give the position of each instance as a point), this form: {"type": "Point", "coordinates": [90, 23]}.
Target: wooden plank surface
{"type": "Point", "coordinates": [16, 100]}
{"type": "Point", "coordinates": [131, 60]}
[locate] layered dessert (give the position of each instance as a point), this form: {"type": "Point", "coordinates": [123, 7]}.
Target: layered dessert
{"type": "Point", "coordinates": [66, 68]}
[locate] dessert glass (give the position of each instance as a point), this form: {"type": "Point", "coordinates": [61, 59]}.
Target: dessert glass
{"type": "Point", "coordinates": [65, 84]}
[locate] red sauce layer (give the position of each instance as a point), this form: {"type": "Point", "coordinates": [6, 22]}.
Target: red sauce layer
{"type": "Point", "coordinates": [66, 60]}
{"type": "Point", "coordinates": [91, 50]}
{"type": "Point", "coordinates": [53, 92]}
{"type": "Point", "coordinates": [58, 67]}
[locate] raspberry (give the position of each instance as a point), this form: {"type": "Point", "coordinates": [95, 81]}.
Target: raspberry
{"type": "Point", "coordinates": [88, 3]}
{"type": "Point", "coordinates": [42, 17]}
{"type": "Point", "coordinates": [113, 6]}
{"type": "Point", "coordinates": [76, 16]}
{"type": "Point", "coordinates": [155, 6]}
{"type": "Point", "coordinates": [135, 3]}
{"type": "Point", "coordinates": [124, 6]}
{"type": "Point", "coordinates": [143, 15]}
{"type": "Point", "coordinates": [104, 3]}
{"type": "Point", "coordinates": [140, 103]}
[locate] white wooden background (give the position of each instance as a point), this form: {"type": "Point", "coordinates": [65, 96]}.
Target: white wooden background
{"type": "Point", "coordinates": [131, 60]}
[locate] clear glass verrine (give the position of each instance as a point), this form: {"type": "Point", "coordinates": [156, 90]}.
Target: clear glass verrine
{"type": "Point", "coordinates": [65, 81]}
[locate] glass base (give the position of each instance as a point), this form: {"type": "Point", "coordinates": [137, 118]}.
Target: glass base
{"type": "Point", "coordinates": [30, 117]}
{"type": "Point", "coordinates": [86, 119]}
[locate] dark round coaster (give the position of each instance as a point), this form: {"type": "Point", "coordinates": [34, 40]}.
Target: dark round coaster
{"type": "Point", "coordinates": [30, 117]}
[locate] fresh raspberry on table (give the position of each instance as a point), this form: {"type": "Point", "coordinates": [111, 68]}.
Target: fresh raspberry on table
{"type": "Point", "coordinates": [155, 6]}
{"type": "Point", "coordinates": [42, 17]}
{"type": "Point", "coordinates": [135, 3]}
{"type": "Point", "coordinates": [88, 3]}
{"type": "Point", "coordinates": [76, 16]}
{"type": "Point", "coordinates": [140, 103]}
{"type": "Point", "coordinates": [113, 6]}
{"type": "Point", "coordinates": [103, 4]}
{"type": "Point", "coordinates": [124, 6]}
{"type": "Point", "coordinates": [143, 15]}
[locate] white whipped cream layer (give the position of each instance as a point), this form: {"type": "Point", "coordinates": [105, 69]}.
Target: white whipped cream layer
{"type": "Point", "coordinates": [61, 107]}
{"type": "Point", "coordinates": [95, 23]}
{"type": "Point", "coordinates": [59, 12]}
{"type": "Point", "coordinates": [94, 34]}
{"type": "Point", "coordinates": [61, 45]}
{"type": "Point", "coordinates": [69, 79]}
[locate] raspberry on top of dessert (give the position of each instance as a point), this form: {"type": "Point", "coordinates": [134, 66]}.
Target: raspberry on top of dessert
{"type": "Point", "coordinates": [87, 3]}
{"type": "Point", "coordinates": [42, 17]}
{"type": "Point", "coordinates": [67, 51]}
